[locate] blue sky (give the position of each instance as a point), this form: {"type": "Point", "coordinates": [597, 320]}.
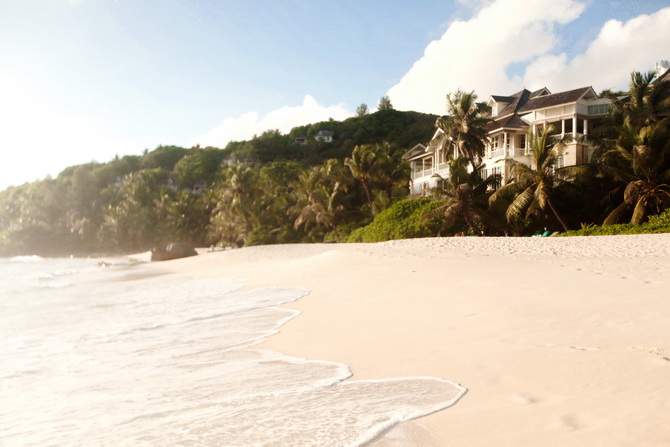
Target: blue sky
{"type": "Point", "coordinates": [84, 80]}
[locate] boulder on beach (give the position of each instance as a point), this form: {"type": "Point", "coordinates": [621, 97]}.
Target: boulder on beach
{"type": "Point", "coordinates": [174, 250]}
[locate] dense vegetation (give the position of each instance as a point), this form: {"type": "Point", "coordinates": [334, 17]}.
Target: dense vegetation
{"type": "Point", "coordinates": [403, 220]}
{"type": "Point", "coordinates": [301, 187]}
{"type": "Point", "coordinates": [273, 188]}
{"type": "Point", "coordinates": [656, 224]}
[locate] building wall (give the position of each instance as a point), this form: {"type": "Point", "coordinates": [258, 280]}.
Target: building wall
{"type": "Point", "coordinates": [569, 119]}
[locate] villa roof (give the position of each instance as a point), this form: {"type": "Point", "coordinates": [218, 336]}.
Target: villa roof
{"type": "Point", "coordinates": [499, 98]}
{"type": "Point", "coordinates": [518, 100]}
{"type": "Point", "coordinates": [665, 76]}
{"type": "Point", "coordinates": [418, 149]}
{"type": "Point", "coordinates": [544, 101]}
{"type": "Point", "coordinates": [542, 91]}
{"type": "Point", "coordinates": [513, 121]}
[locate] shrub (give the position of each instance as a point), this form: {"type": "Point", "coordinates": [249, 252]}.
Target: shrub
{"type": "Point", "coordinates": [656, 224]}
{"type": "Point", "coordinates": [260, 236]}
{"type": "Point", "coordinates": [403, 220]}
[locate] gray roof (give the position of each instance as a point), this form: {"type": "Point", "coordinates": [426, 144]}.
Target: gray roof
{"type": "Point", "coordinates": [418, 149]}
{"type": "Point", "coordinates": [513, 121]}
{"type": "Point", "coordinates": [554, 99]}
{"type": "Point", "coordinates": [498, 98]}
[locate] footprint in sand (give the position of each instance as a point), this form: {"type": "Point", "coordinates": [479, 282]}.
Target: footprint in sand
{"type": "Point", "coordinates": [585, 348]}
{"type": "Point", "coordinates": [568, 423]}
{"type": "Point", "coordinates": [648, 349]}
{"type": "Point", "coordinates": [520, 399]}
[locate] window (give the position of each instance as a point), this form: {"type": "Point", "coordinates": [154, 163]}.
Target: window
{"type": "Point", "coordinates": [497, 171]}
{"type": "Point", "coordinates": [598, 109]}
{"type": "Point", "coordinates": [522, 141]}
{"type": "Point", "coordinates": [495, 142]}
{"type": "Point", "coordinates": [555, 127]}
{"type": "Point", "coordinates": [568, 125]}
{"type": "Point", "coordinates": [560, 162]}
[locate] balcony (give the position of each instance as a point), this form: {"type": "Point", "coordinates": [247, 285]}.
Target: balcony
{"type": "Point", "coordinates": [511, 152]}
{"type": "Point", "coordinates": [422, 173]}
{"type": "Point", "coordinates": [497, 153]}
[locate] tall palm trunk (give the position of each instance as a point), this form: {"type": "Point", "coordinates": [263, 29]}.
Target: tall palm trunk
{"type": "Point", "coordinates": [368, 195]}
{"type": "Point", "coordinates": [558, 216]}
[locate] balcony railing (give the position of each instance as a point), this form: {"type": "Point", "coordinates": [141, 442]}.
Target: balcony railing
{"type": "Point", "coordinates": [511, 152]}
{"type": "Point", "coordinates": [497, 153]}
{"type": "Point", "coordinates": [442, 169]}
{"type": "Point", "coordinates": [423, 173]}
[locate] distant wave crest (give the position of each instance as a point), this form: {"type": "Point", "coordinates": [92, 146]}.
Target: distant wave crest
{"type": "Point", "coordinates": [27, 259]}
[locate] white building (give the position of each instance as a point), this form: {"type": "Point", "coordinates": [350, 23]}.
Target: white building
{"type": "Point", "coordinates": [575, 112]}
{"type": "Point", "coordinates": [325, 136]}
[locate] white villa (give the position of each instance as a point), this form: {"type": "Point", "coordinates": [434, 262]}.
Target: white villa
{"type": "Point", "coordinates": [575, 112]}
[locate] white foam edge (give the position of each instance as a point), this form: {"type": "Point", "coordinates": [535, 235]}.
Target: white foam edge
{"type": "Point", "coordinates": [342, 373]}
{"type": "Point", "coordinates": [27, 259]}
{"type": "Point", "coordinates": [290, 314]}
{"type": "Point", "coordinates": [376, 433]}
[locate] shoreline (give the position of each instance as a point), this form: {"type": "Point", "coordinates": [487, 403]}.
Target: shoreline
{"type": "Point", "coordinates": [559, 341]}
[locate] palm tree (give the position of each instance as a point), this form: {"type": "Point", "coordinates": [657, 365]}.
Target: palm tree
{"type": "Point", "coordinates": [641, 162]}
{"type": "Point", "coordinates": [647, 101]}
{"type": "Point", "coordinates": [464, 194]}
{"type": "Point", "coordinates": [317, 200]}
{"type": "Point", "coordinates": [465, 125]}
{"type": "Point", "coordinates": [363, 168]}
{"type": "Point", "coordinates": [535, 183]}
{"type": "Point", "coordinates": [637, 155]}
{"type": "Point", "coordinates": [235, 214]}
{"type": "Point", "coordinates": [381, 172]}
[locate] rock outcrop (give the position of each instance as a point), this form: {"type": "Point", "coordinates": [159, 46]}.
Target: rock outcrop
{"type": "Point", "coordinates": [174, 250]}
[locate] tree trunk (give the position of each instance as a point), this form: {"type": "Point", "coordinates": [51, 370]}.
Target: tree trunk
{"type": "Point", "coordinates": [368, 195]}
{"type": "Point", "coordinates": [558, 216]}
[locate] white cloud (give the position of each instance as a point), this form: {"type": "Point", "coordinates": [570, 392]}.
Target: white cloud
{"type": "Point", "coordinates": [283, 119]}
{"type": "Point", "coordinates": [619, 49]}
{"type": "Point", "coordinates": [473, 54]}
{"type": "Point", "coordinates": [475, 4]}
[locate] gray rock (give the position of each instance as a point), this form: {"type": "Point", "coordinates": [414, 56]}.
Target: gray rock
{"type": "Point", "coordinates": [174, 250]}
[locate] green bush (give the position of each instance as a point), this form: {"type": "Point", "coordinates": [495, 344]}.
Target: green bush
{"type": "Point", "coordinates": [341, 232]}
{"type": "Point", "coordinates": [260, 236]}
{"type": "Point", "coordinates": [403, 220]}
{"type": "Point", "coordinates": [656, 224]}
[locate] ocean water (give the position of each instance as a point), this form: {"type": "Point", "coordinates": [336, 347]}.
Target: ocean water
{"type": "Point", "coordinates": [108, 355]}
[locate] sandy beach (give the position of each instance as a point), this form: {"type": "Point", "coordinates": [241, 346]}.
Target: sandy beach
{"type": "Point", "coordinates": [559, 341]}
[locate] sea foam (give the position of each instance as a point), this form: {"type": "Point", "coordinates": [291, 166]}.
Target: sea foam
{"type": "Point", "coordinates": [163, 361]}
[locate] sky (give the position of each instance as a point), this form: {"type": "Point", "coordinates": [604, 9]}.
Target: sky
{"type": "Point", "coordinates": [87, 80]}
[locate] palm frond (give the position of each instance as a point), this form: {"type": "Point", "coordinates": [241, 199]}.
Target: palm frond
{"type": "Point", "coordinates": [520, 203]}
{"type": "Point", "coordinates": [633, 191]}
{"type": "Point", "coordinates": [617, 214]}
{"type": "Point", "coordinates": [639, 212]}
{"type": "Point", "coordinates": [577, 172]}
{"type": "Point", "coordinates": [509, 189]}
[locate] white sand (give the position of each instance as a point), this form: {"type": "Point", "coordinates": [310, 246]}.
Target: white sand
{"type": "Point", "coordinates": [560, 341]}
